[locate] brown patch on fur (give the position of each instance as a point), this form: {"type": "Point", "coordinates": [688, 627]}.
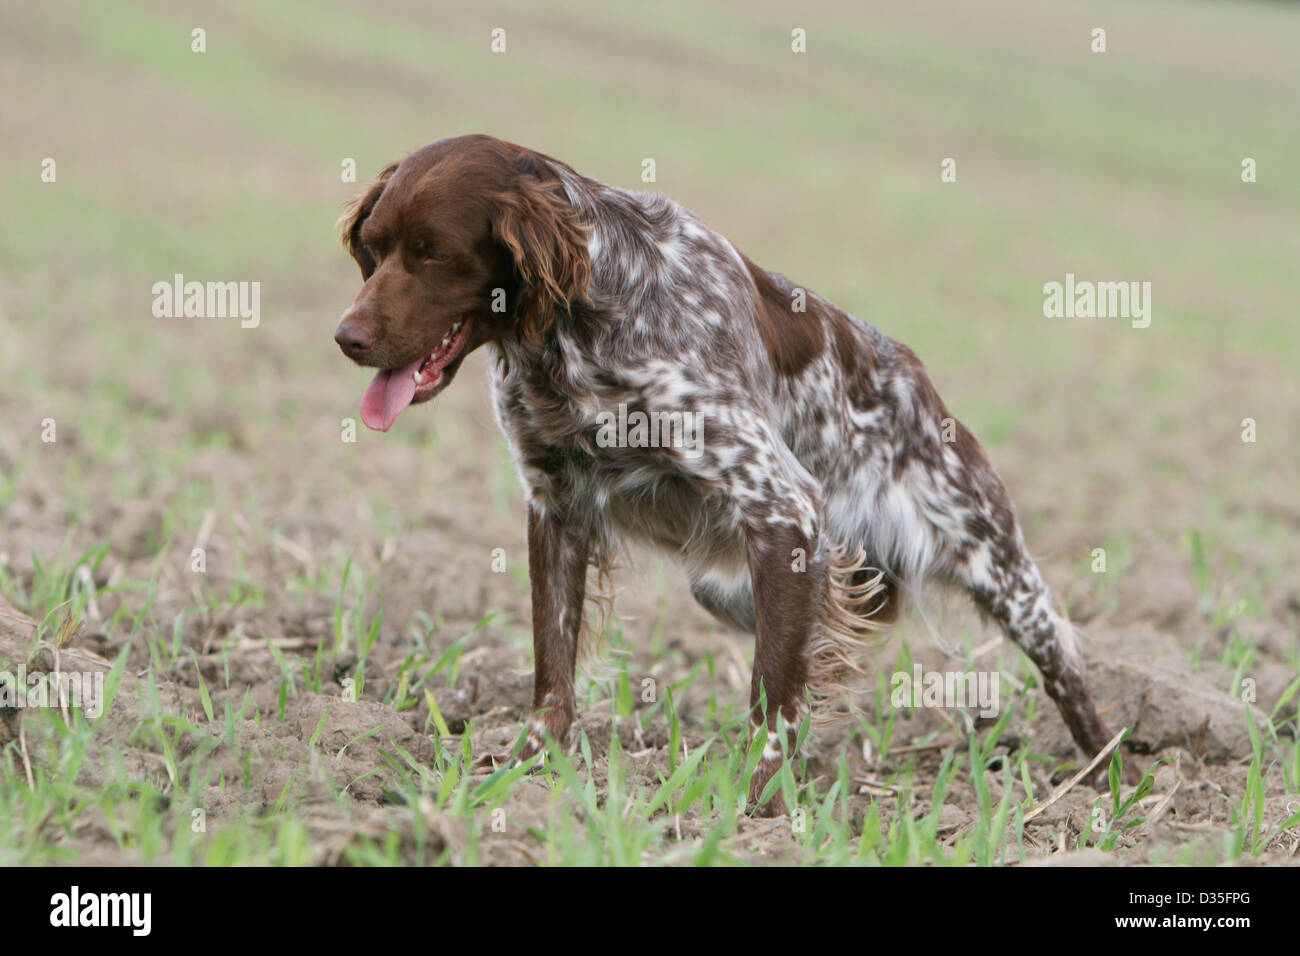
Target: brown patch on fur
{"type": "Point", "coordinates": [855, 357]}
{"type": "Point", "coordinates": [792, 339]}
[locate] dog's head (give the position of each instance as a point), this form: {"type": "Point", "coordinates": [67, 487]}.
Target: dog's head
{"type": "Point", "coordinates": [463, 242]}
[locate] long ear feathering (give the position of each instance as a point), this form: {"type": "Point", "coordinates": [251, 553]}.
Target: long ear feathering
{"type": "Point", "coordinates": [357, 210]}
{"type": "Point", "coordinates": [536, 222]}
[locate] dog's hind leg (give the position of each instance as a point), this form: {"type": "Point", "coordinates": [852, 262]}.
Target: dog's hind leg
{"type": "Point", "coordinates": [991, 563]}
{"type": "Point", "coordinates": [1018, 599]}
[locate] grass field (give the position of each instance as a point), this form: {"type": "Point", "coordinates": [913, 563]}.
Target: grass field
{"type": "Point", "coordinates": [325, 689]}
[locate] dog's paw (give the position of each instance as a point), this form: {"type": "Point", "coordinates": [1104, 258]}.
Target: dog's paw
{"type": "Point", "coordinates": [490, 762]}
{"type": "Point", "coordinates": [770, 810]}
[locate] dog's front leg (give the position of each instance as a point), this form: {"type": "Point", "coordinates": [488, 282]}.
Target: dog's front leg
{"type": "Point", "coordinates": [557, 570]}
{"type": "Point", "coordinates": [788, 569]}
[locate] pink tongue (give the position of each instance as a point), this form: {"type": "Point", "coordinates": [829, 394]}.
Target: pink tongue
{"type": "Point", "coordinates": [390, 391]}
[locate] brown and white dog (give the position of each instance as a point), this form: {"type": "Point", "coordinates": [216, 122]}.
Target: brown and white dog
{"type": "Point", "coordinates": [828, 479]}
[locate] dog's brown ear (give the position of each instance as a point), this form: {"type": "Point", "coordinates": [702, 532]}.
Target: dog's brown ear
{"type": "Point", "coordinates": [356, 213]}
{"type": "Point", "coordinates": [536, 222]}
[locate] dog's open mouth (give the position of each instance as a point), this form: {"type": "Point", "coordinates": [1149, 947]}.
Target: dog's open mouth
{"type": "Point", "coordinates": [392, 389]}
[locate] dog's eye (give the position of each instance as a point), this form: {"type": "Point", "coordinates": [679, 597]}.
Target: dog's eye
{"type": "Point", "coordinates": [430, 254]}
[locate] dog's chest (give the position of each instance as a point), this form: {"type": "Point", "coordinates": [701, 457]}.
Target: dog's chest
{"type": "Point", "coordinates": [567, 417]}
{"type": "Point", "coordinates": [588, 442]}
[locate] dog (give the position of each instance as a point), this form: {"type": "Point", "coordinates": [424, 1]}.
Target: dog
{"type": "Point", "coordinates": [828, 481]}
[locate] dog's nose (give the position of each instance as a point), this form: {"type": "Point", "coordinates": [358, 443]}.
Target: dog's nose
{"type": "Point", "coordinates": [354, 338]}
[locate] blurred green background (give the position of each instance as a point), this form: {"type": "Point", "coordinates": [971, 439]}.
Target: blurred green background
{"type": "Point", "coordinates": [225, 165]}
